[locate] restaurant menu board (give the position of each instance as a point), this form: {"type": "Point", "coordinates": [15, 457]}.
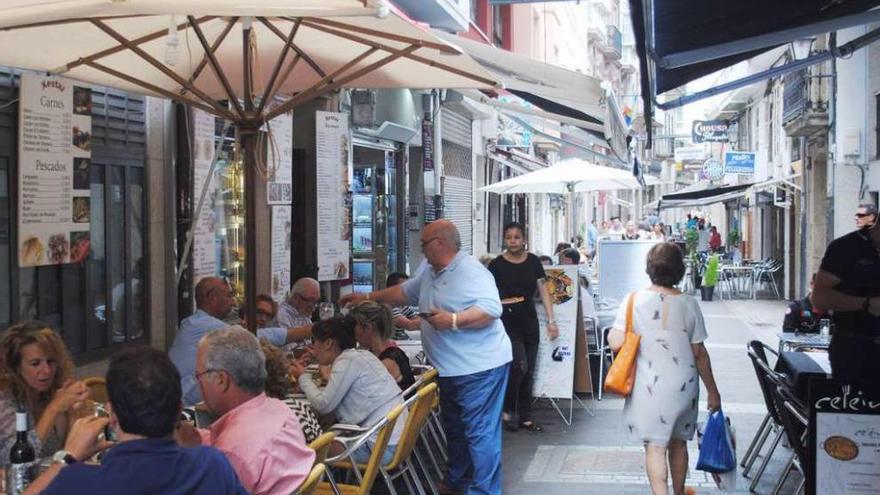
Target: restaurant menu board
{"type": "Point", "coordinates": [621, 267]}
{"type": "Point", "coordinates": [279, 160]}
{"type": "Point", "coordinates": [554, 373]}
{"type": "Point", "coordinates": [204, 251]}
{"type": "Point", "coordinates": [334, 173]}
{"type": "Point", "coordinates": [54, 158]}
{"type": "Point", "coordinates": [844, 438]}
{"type": "Point", "coordinates": [281, 232]}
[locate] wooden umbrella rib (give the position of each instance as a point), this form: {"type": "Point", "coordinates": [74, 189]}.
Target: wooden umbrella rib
{"type": "Point", "coordinates": [215, 65]}
{"type": "Point", "coordinates": [59, 22]}
{"type": "Point", "coordinates": [316, 91]}
{"type": "Point", "coordinates": [161, 67]}
{"type": "Point", "coordinates": [443, 47]}
{"type": "Point", "coordinates": [284, 77]}
{"type": "Point", "coordinates": [278, 64]}
{"type": "Point", "coordinates": [155, 89]}
{"type": "Point", "coordinates": [411, 56]}
{"type": "Point", "coordinates": [137, 41]}
{"type": "Point", "coordinates": [314, 65]}
{"type": "Point", "coordinates": [220, 38]}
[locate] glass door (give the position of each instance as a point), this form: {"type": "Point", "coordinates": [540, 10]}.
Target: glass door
{"type": "Point", "coordinates": [374, 217]}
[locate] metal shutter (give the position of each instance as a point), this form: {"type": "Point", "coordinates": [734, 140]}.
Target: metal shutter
{"type": "Point", "coordinates": [457, 200]}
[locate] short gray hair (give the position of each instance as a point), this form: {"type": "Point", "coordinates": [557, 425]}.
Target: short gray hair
{"type": "Point", "coordinates": [237, 352]}
{"type": "Point", "coordinates": [301, 285]}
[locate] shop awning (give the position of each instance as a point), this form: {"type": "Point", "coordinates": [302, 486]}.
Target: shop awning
{"type": "Point", "coordinates": [702, 194]}
{"type": "Point", "coordinates": [549, 87]}
{"type": "Point", "coordinates": [679, 41]}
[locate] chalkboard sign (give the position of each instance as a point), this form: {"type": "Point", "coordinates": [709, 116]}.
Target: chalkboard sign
{"type": "Point", "coordinates": [621, 267]}
{"type": "Point", "coordinates": [844, 438]}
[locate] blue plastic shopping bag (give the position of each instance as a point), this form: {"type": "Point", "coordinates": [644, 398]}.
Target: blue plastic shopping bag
{"type": "Point", "coordinates": [716, 451]}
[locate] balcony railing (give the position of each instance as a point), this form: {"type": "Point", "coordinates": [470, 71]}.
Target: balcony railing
{"type": "Point", "coordinates": [804, 103]}
{"type": "Point", "coordinates": [614, 40]}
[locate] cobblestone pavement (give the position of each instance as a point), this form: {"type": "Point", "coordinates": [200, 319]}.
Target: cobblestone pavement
{"type": "Point", "coordinates": [596, 455]}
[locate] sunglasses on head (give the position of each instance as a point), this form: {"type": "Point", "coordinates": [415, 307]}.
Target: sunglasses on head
{"type": "Point", "coordinates": [863, 215]}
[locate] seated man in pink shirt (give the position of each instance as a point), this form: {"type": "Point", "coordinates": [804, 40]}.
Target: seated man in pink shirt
{"type": "Point", "coordinates": [260, 436]}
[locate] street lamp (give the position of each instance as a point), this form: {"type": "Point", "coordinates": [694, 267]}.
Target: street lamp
{"type": "Point", "coordinates": [801, 48]}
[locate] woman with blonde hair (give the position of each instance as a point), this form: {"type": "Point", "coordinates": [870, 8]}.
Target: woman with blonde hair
{"type": "Point", "coordinates": [36, 376]}
{"type": "Point", "coordinates": [373, 330]}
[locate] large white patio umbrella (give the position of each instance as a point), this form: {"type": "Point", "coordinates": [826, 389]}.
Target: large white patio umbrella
{"type": "Point", "coordinates": [245, 61]}
{"type": "Point", "coordinates": [567, 177]}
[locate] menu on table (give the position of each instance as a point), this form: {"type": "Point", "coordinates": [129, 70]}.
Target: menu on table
{"type": "Point", "coordinates": [281, 239]}
{"type": "Point", "coordinates": [334, 175]}
{"type": "Point", "coordinates": [54, 160]}
{"type": "Point", "coordinates": [279, 160]}
{"type": "Point", "coordinates": [844, 438]}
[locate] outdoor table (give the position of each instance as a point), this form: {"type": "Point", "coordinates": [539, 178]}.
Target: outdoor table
{"type": "Point", "coordinates": [795, 341]}
{"type": "Point", "coordinates": [737, 281]}
{"type": "Point", "coordinates": [800, 367]}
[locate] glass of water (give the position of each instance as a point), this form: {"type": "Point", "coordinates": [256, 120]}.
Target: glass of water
{"type": "Point", "coordinates": [824, 326]}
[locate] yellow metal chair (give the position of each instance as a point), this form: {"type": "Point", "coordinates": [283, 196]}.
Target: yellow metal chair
{"type": "Point", "coordinates": [321, 446]}
{"type": "Point", "coordinates": [419, 410]}
{"type": "Point", "coordinates": [311, 482]}
{"type": "Point", "coordinates": [382, 430]}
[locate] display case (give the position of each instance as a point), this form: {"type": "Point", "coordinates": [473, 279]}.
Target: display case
{"type": "Point", "coordinates": [228, 207]}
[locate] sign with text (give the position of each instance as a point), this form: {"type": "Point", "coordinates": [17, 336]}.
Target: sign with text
{"type": "Point", "coordinates": [710, 131]}
{"type": "Point", "coordinates": [54, 182]}
{"type": "Point", "coordinates": [712, 169]}
{"type": "Point", "coordinates": [739, 162]}
{"type": "Point", "coordinates": [334, 176]}
{"type": "Point", "coordinates": [204, 246]}
{"type": "Point", "coordinates": [843, 438]}
{"type": "Point", "coordinates": [279, 160]}
{"type": "Point", "coordinates": [281, 239]}
{"type": "Point", "coordinates": [554, 369]}
{"type": "Point", "coordinates": [690, 153]}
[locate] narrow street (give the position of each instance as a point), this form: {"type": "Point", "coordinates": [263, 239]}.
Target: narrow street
{"type": "Point", "coordinates": [595, 455]}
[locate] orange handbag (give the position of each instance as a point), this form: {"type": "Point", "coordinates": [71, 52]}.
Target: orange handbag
{"type": "Point", "coordinates": [622, 373]}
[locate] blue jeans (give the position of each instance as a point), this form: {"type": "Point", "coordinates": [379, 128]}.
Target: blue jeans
{"type": "Point", "coordinates": [470, 406]}
{"type": "Point", "coordinates": [363, 454]}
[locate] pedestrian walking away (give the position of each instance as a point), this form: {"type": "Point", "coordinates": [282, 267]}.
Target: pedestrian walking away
{"type": "Point", "coordinates": [465, 339]}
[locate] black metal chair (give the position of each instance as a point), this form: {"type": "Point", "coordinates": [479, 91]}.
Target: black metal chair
{"type": "Point", "coordinates": [757, 351]}
{"type": "Point", "coordinates": [794, 418]}
{"type": "Point", "coordinates": [769, 381]}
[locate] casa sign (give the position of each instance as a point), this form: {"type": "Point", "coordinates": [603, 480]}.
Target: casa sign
{"type": "Point", "coordinates": [710, 131]}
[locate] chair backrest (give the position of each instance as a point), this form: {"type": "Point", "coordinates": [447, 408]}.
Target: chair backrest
{"type": "Point", "coordinates": [419, 409]}
{"type": "Point", "coordinates": [97, 388]}
{"type": "Point", "coordinates": [794, 421]}
{"type": "Point", "coordinates": [311, 482]}
{"type": "Point", "coordinates": [321, 446]}
{"type": "Point", "coordinates": [768, 380]}
{"type": "Point", "coordinates": [383, 434]}
{"type": "Point", "coordinates": [430, 375]}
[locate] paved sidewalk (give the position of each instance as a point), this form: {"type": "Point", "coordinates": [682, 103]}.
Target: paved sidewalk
{"type": "Point", "coordinates": [596, 455]}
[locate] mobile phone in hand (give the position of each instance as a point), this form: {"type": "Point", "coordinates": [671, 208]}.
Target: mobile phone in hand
{"type": "Point", "coordinates": [425, 314]}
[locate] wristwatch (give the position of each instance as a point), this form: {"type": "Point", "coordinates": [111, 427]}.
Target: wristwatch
{"type": "Point", "coordinates": [64, 457]}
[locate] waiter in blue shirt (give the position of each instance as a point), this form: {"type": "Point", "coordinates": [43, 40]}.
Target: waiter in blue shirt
{"type": "Point", "coordinates": [464, 339]}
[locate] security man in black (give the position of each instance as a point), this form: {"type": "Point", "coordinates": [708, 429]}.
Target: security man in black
{"type": "Point", "coordinates": [848, 283]}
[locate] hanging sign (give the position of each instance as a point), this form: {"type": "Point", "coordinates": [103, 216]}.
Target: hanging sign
{"type": "Point", "coordinates": [54, 159]}
{"type": "Point", "coordinates": [843, 438]}
{"type": "Point", "coordinates": [279, 160]}
{"type": "Point", "coordinates": [281, 239]}
{"type": "Point", "coordinates": [554, 370]}
{"type": "Point", "coordinates": [710, 131]}
{"type": "Point", "coordinates": [739, 162]}
{"type": "Point", "coordinates": [712, 169]}
{"type": "Point", "coordinates": [204, 247]}
{"type": "Point", "coordinates": [334, 177]}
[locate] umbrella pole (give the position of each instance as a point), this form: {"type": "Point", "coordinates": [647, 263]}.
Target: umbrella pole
{"type": "Point", "coordinates": [249, 131]}
{"type": "Point", "coordinates": [572, 214]}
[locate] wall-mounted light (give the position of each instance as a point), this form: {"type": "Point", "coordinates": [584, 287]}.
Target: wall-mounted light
{"type": "Point", "coordinates": [801, 48]}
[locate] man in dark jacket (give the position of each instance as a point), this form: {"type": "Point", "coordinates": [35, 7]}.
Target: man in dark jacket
{"type": "Point", "coordinates": [803, 316]}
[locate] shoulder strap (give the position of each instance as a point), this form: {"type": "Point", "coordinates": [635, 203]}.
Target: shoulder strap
{"type": "Point", "coordinates": [629, 312]}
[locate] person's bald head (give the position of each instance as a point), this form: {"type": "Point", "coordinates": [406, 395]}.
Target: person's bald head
{"type": "Point", "coordinates": [440, 243]}
{"type": "Point", "coordinates": [214, 296]}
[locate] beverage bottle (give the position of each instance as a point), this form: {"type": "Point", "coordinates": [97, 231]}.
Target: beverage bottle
{"type": "Point", "coordinates": [824, 326]}
{"type": "Point", "coordinates": [21, 458]}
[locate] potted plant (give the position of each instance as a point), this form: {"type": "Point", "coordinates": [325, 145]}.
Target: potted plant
{"type": "Point", "coordinates": [691, 239]}
{"type": "Point", "coordinates": [733, 239]}
{"type": "Point", "coordinates": [710, 278]}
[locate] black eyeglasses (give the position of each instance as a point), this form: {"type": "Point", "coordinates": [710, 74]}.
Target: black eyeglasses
{"type": "Point", "coordinates": [429, 241]}
{"type": "Point", "coordinates": [198, 374]}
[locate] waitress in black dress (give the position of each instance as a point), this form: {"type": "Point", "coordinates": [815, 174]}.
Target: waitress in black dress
{"type": "Point", "coordinates": [518, 275]}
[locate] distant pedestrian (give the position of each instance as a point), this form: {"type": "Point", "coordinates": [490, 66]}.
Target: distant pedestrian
{"type": "Point", "coordinates": [592, 239]}
{"type": "Point", "coordinates": [518, 275]}
{"type": "Point", "coordinates": [662, 409]}
{"type": "Point", "coordinates": [631, 233]}
{"type": "Point", "coordinates": [714, 239]}
{"type": "Point", "coordinates": [546, 260]}
{"type": "Point", "coordinates": [848, 283]}
{"type": "Point", "coordinates": [562, 246]}
{"type": "Point", "coordinates": [569, 256]}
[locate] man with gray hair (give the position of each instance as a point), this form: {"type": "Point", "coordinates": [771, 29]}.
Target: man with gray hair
{"type": "Point", "coordinates": [261, 436]}
{"type": "Point", "coordinates": [464, 338]}
{"type": "Point", "coordinates": [296, 311]}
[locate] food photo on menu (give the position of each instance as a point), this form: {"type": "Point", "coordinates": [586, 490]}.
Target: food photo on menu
{"type": "Point", "coordinates": [58, 248]}
{"type": "Point", "coordinates": [82, 139]}
{"type": "Point", "coordinates": [81, 210]}
{"type": "Point", "coordinates": [81, 173]}
{"type": "Point", "coordinates": [82, 101]}
{"type": "Point", "coordinates": [32, 251]}
{"type": "Point", "coordinates": [80, 245]}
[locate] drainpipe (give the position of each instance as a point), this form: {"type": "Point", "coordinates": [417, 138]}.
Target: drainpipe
{"type": "Point", "coordinates": [831, 162]}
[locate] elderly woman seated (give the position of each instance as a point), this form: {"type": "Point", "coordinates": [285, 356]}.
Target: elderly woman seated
{"type": "Point", "coordinates": [360, 390]}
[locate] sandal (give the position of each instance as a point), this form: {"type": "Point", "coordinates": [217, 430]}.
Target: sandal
{"type": "Point", "coordinates": [509, 422]}
{"type": "Point", "coordinates": [531, 426]}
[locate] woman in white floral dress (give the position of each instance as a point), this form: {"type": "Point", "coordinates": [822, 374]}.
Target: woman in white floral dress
{"type": "Point", "coordinates": [662, 409]}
